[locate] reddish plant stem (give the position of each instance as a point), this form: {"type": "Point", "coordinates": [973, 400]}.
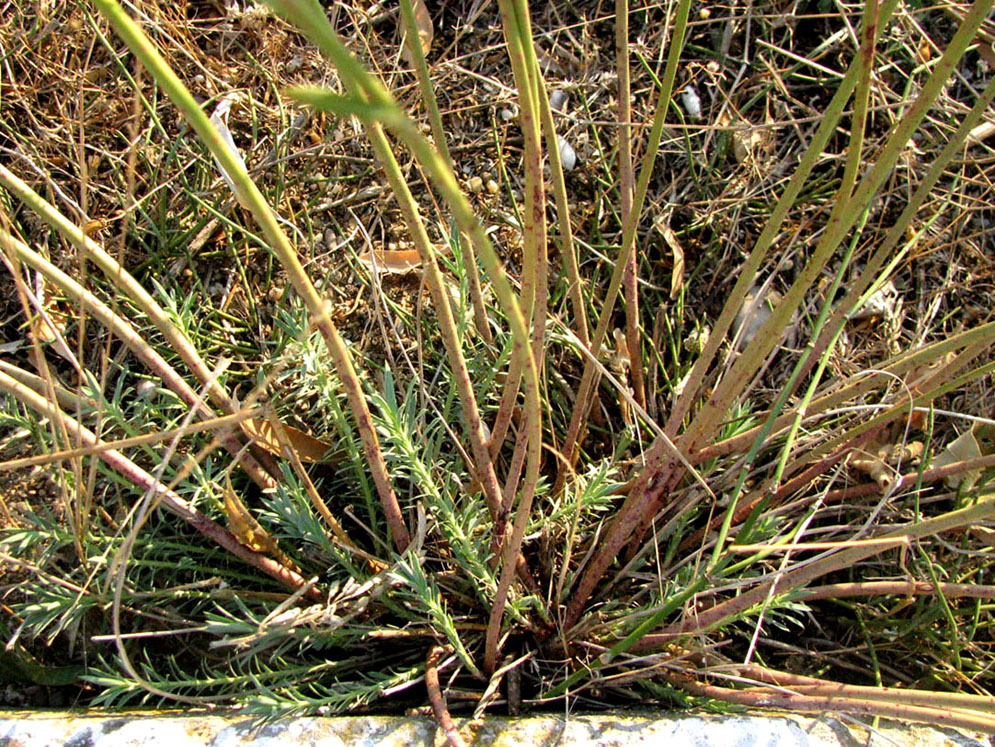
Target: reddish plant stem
{"type": "Point", "coordinates": [626, 185]}
{"type": "Point", "coordinates": [528, 354]}
{"type": "Point", "coordinates": [795, 483]}
{"type": "Point", "coordinates": [898, 588]}
{"type": "Point", "coordinates": [649, 492]}
{"type": "Point", "coordinates": [910, 479]}
{"type": "Point", "coordinates": [907, 480]}
{"type": "Point", "coordinates": [658, 641]}
{"type": "Point", "coordinates": [535, 262]}
{"type": "Point", "coordinates": [649, 488]}
{"type": "Point", "coordinates": [798, 578]}
{"type": "Point", "coordinates": [757, 697]}
{"type": "Point", "coordinates": [437, 699]}
{"type": "Point", "coordinates": [815, 685]}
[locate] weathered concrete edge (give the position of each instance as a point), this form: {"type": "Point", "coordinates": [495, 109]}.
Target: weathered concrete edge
{"type": "Point", "coordinates": [75, 730]}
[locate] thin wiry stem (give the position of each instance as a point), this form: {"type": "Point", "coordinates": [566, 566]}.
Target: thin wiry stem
{"type": "Point", "coordinates": [898, 231]}
{"type": "Point", "coordinates": [703, 620]}
{"type": "Point", "coordinates": [901, 366]}
{"type": "Point", "coordinates": [861, 96]}
{"type": "Point", "coordinates": [483, 466]}
{"type": "Point", "coordinates": [835, 700]}
{"type": "Point", "coordinates": [772, 227]}
{"type": "Point", "coordinates": [380, 107]}
{"type": "Point", "coordinates": [534, 261]}
{"type": "Point", "coordinates": [518, 32]}
{"type": "Point", "coordinates": [439, 137]}
{"type": "Point", "coordinates": [567, 247]}
{"type": "Point", "coordinates": [589, 379]}
{"type": "Point", "coordinates": [662, 472]}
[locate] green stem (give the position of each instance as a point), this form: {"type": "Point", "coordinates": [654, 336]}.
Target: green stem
{"type": "Point", "coordinates": [439, 138]}
{"type": "Point", "coordinates": [845, 213]}
{"type": "Point", "coordinates": [630, 280]}
{"type": "Point", "coordinates": [380, 107]}
{"type": "Point", "coordinates": [704, 620]}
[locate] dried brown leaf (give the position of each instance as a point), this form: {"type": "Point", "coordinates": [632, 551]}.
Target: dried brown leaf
{"type": "Point", "coordinates": [677, 275]}
{"type": "Point", "coordinates": [244, 526]}
{"type": "Point", "coordinates": [308, 448]}
{"type": "Point", "coordinates": [962, 449]}
{"type": "Point", "coordinates": [248, 531]}
{"type": "Point", "coordinates": [426, 32]}
{"type": "Point", "coordinates": [396, 262]}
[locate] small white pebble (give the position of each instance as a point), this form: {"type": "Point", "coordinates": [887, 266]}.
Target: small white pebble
{"type": "Point", "coordinates": [692, 104]}
{"type": "Point", "coordinates": [145, 389]}
{"type": "Point", "coordinates": [568, 157]}
{"type": "Point", "coordinates": [507, 114]}
{"type": "Point", "coordinates": [752, 315]}
{"type": "Point", "coordinates": [558, 100]}
{"type": "Point", "coordinates": [492, 187]}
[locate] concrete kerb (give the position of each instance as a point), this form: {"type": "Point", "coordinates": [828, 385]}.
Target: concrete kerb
{"type": "Point", "coordinates": [65, 729]}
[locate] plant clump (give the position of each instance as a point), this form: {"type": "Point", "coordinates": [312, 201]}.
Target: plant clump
{"type": "Point", "coordinates": [478, 358]}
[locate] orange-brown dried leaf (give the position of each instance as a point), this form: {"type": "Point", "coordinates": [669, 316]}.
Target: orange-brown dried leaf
{"type": "Point", "coordinates": [308, 448]}
{"type": "Point", "coordinates": [250, 532]}
{"type": "Point", "coordinates": [426, 32]}
{"type": "Point", "coordinates": [396, 262]}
